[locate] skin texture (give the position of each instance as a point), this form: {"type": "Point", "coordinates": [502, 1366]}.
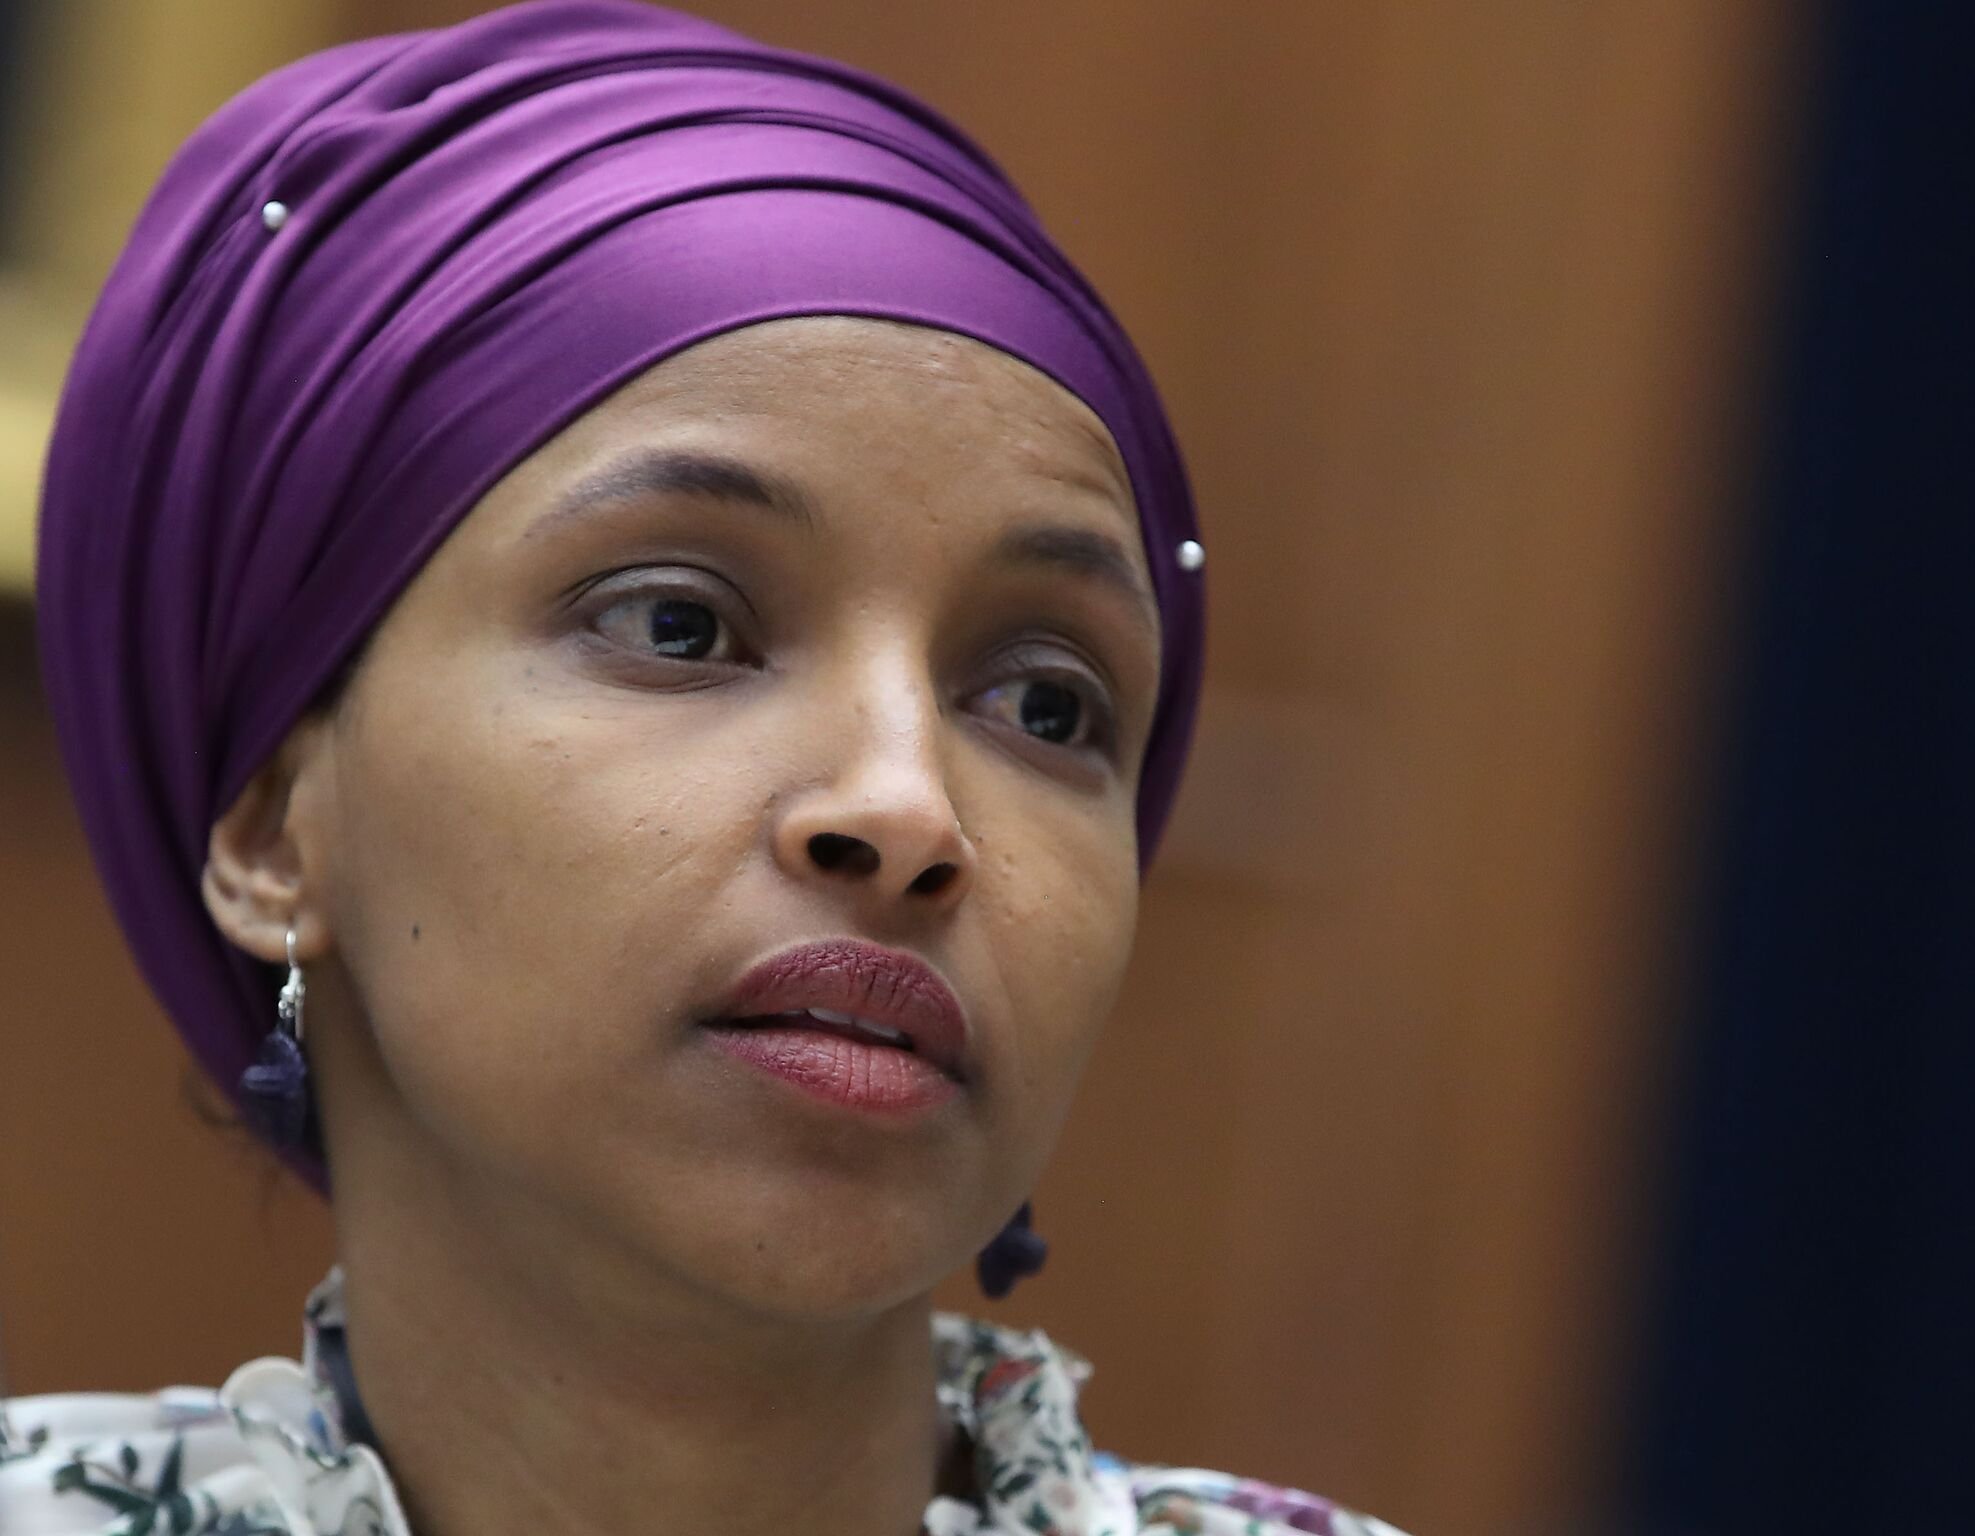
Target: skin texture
{"type": "Point", "coordinates": [595, 1267]}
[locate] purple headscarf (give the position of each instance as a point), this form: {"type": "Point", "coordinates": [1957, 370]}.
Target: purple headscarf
{"type": "Point", "coordinates": [379, 278]}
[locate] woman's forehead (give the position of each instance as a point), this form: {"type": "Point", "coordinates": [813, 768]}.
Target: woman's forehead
{"type": "Point", "coordinates": [856, 388]}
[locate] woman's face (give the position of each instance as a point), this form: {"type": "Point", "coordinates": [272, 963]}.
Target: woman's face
{"type": "Point", "coordinates": [824, 629]}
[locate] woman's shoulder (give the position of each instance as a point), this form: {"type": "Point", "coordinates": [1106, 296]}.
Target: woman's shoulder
{"type": "Point", "coordinates": [1193, 1501]}
{"type": "Point", "coordinates": [90, 1461]}
{"type": "Point", "coordinates": [251, 1458]}
{"type": "Point", "coordinates": [1015, 1393]}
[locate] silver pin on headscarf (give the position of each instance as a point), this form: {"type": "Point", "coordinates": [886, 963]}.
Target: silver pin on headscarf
{"type": "Point", "coordinates": [274, 215]}
{"type": "Point", "coordinates": [1191, 555]}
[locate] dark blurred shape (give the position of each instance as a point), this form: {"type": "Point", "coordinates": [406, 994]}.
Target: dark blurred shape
{"type": "Point", "coordinates": [1810, 1360]}
{"type": "Point", "coordinates": [13, 73]}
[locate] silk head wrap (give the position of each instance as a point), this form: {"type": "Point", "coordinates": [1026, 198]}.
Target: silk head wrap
{"type": "Point", "coordinates": [380, 277]}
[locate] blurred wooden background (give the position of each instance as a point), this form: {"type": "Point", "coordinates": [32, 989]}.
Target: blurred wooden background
{"type": "Point", "coordinates": [1455, 307]}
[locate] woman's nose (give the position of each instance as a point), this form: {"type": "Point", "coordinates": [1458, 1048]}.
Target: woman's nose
{"type": "Point", "coordinates": [885, 825]}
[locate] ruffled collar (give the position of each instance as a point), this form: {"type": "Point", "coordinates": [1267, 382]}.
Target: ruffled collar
{"type": "Point", "coordinates": [1011, 1392]}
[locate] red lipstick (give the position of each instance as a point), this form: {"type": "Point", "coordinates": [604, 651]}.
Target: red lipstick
{"type": "Point", "coordinates": [864, 1026]}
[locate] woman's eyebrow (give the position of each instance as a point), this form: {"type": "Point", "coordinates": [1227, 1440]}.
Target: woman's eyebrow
{"type": "Point", "coordinates": [658, 472]}
{"type": "Point", "coordinates": [673, 471]}
{"type": "Point", "coordinates": [1084, 551]}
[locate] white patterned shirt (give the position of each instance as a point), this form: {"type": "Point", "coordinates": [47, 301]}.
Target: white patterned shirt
{"type": "Point", "coordinates": [268, 1454]}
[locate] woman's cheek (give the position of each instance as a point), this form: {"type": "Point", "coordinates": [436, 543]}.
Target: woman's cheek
{"type": "Point", "coordinates": [489, 877]}
{"type": "Point", "coordinates": [1064, 939]}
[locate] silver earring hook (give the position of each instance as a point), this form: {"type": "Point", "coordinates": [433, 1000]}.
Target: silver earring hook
{"type": "Point", "coordinates": [293, 992]}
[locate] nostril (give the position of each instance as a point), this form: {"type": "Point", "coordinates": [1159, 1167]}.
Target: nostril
{"type": "Point", "coordinates": [837, 853]}
{"type": "Point", "coordinates": [934, 878]}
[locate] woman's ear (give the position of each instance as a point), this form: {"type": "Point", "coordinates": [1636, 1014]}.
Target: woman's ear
{"type": "Point", "coordinates": [261, 876]}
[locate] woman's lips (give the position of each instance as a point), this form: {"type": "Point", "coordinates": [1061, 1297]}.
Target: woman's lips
{"type": "Point", "coordinates": [856, 1023]}
{"type": "Point", "coordinates": [857, 1073]}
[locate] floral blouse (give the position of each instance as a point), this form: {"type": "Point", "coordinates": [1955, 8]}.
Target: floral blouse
{"type": "Point", "coordinates": [268, 1454]}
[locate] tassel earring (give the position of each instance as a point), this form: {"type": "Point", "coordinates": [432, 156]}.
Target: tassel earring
{"type": "Point", "coordinates": [277, 1085]}
{"type": "Point", "coordinates": [1017, 1250]}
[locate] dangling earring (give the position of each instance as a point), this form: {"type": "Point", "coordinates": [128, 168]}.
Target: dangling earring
{"type": "Point", "coordinates": [1017, 1250]}
{"type": "Point", "coordinates": [277, 1085]}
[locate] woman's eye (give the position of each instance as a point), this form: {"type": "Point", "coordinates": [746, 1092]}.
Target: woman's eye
{"type": "Point", "coordinates": [667, 626]}
{"type": "Point", "coordinates": [683, 629]}
{"type": "Point", "coordinates": [1047, 710]}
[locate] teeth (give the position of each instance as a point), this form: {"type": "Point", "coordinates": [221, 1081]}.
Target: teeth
{"type": "Point", "coordinates": [831, 1018]}
{"type": "Point", "coordinates": [862, 1026]}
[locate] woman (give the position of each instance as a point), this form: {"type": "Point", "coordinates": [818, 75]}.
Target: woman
{"type": "Point", "coordinates": [624, 625]}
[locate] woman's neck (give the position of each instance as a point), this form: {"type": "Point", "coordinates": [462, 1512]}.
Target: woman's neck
{"type": "Point", "coordinates": [515, 1388]}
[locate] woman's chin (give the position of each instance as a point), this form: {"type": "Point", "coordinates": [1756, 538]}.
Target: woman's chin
{"type": "Point", "coordinates": [838, 1281]}
{"type": "Point", "coordinates": [799, 1253]}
